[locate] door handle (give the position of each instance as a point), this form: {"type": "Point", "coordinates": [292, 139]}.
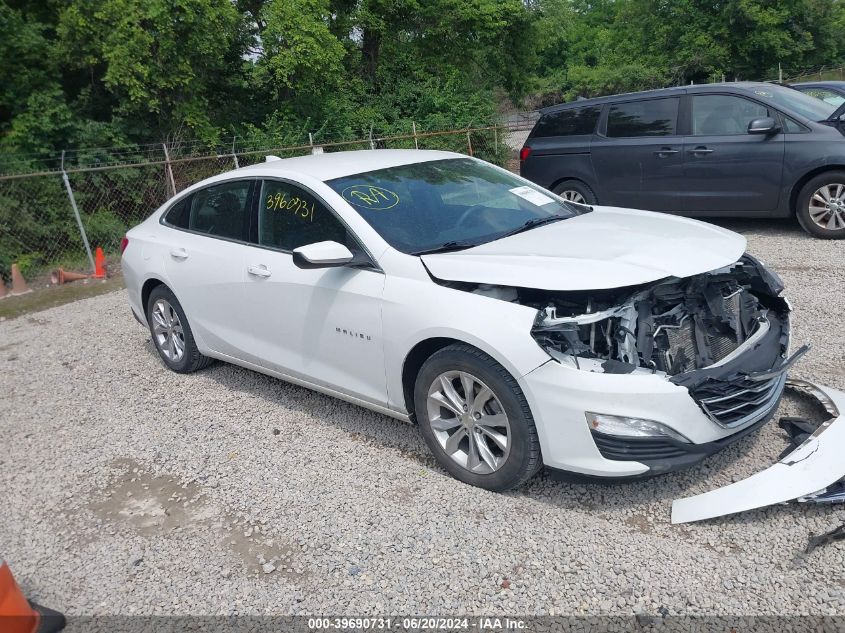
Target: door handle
{"type": "Point", "coordinates": [259, 271]}
{"type": "Point", "coordinates": [665, 152]}
{"type": "Point", "coordinates": [701, 150]}
{"type": "Point", "coordinates": [179, 253]}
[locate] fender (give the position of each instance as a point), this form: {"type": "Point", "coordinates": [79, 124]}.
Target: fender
{"type": "Point", "coordinates": [498, 328]}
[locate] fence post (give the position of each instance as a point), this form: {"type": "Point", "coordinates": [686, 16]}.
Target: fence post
{"type": "Point", "coordinates": [414, 126]}
{"type": "Point", "coordinates": [169, 170]}
{"type": "Point", "coordinates": [76, 213]}
{"type": "Point", "coordinates": [496, 139]}
{"type": "Point", "coordinates": [372, 145]}
{"type": "Point", "coordinates": [469, 143]}
{"type": "Point", "coordinates": [234, 155]}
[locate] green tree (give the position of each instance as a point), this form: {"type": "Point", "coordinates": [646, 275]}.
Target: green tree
{"type": "Point", "coordinates": [164, 64]}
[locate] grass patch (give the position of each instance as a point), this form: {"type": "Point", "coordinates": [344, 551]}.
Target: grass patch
{"type": "Point", "coordinates": [44, 297]}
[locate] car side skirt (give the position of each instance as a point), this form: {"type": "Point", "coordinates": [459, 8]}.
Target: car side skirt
{"type": "Point", "coordinates": [372, 406]}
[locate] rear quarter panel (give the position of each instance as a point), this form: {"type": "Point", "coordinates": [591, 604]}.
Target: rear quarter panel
{"type": "Point", "coordinates": [142, 260]}
{"type": "Point", "coordinates": [557, 158]}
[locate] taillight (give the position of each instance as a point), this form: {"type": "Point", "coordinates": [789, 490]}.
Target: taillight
{"type": "Point", "coordinates": [124, 242]}
{"type": "Point", "coordinates": [524, 153]}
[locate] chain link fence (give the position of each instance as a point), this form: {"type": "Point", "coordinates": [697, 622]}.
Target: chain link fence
{"type": "Point", "coordinates": [57, 217]}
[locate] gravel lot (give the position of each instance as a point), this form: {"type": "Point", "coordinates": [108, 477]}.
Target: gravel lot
{"type": "Point", "coordinates": [128, 489]}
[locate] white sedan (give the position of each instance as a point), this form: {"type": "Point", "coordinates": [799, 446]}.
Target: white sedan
{"type": "Point", "coordinates": [516, 329]}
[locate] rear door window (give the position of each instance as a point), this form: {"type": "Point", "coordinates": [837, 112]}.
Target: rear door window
{"type": "Point", "coordinates": [724, 115]}
{"type": "Point", "coordinates": [650, 117]}
{"type": "Point", "coordinates": [221, 210]}
{"type": "Point", "coordinates": [571, 122]}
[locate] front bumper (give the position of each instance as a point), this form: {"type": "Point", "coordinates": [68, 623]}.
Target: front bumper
{"type": "Point", "coordinates": [559, 395]}
{"type": "Point", "coordinates": [749, 390]}
{"type": "Point", "coordinates": [665, 454]}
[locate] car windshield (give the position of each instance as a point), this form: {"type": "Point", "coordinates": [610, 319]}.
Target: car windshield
{"type": "Point", "coordinates": [448, 204]}
{"type": "Point", "coordinates": [797, 102]}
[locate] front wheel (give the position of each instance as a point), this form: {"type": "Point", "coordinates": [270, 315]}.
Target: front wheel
{"type": "Point", "coordinates": [820, 207]}
{"type": "Point", "coordinates": [475, 419]}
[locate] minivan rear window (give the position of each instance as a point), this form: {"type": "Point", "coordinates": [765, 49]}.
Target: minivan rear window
{"type": "Point", "coordinates": [570, 122]}
{"type": "Point", "coordinates": [650, 117]}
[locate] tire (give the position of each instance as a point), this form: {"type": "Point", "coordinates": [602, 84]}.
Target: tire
{"type": "Point", "coordinates": [497, 468]}
{"type": "Point", "coordinates": [571, 189]}
{"type": "Point", "coordinates": [816, 213]}
{"type": "Point", "coordinates": [167, 320]}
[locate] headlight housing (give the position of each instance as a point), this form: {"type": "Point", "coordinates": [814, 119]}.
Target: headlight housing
{"type": "Point", "coordinates": [624, 426]}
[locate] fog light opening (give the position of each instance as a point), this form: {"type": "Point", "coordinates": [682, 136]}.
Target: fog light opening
{"type": "Point", "coordinates": [624, 426]}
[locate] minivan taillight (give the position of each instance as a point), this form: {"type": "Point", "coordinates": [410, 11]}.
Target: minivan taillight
{"type": "Point", "coordinates": [524, 153]}
{"type": "Point", "coordinates": [124, 242]}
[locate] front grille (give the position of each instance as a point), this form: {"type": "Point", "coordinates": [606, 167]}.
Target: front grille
{"type": "Point", "coordinates": [739, 402]}
{"type": "Point", "coordinates": [636, 448]}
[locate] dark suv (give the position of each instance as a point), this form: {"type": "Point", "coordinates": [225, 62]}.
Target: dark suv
{"type": "Point", "coordinates": [718, 150]}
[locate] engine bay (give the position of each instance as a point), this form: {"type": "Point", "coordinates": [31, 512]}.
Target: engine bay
{"type": "Point", "coordinates": [671, 326]}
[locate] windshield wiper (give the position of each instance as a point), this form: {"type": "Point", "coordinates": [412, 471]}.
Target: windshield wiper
{"type": "Point", "coordinates": [456, 245]}
{"type": "Point", "coordinates": [533, 223]}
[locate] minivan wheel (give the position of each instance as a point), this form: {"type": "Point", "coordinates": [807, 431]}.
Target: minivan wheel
{"type": "Point", "coordinates": [475, 419]}
{"type": "Point", "coordinates": [821, 206]}
{"type": "Point", "coordinates": [575, 191]}
{"type": "Point", "coordinates": [172, 334]}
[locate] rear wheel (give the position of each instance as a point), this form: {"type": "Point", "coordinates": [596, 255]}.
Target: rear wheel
{"type": "Point", "coordinates": [172, 334]}
{"type": "Point", "coordinates": [820, 207]}
{"type": "Point", "coordinates": [575, 191]}
{"type": "Point", "coordinates": [475, 419]}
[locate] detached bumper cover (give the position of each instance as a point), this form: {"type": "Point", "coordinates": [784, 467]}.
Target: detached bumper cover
{"type": "Point", "coordinates": [807, 471]}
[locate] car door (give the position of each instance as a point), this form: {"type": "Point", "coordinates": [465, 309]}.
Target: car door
{"type": "Point", "coordinates": [321, 325]}
{"type": "Point", "coordinates": [204, 262]}
{"type": "Point", "coordinates": [637, 155]}
{"type": "Point", "coordinates": [726, 169]}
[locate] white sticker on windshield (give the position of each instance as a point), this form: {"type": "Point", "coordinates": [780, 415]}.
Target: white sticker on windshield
{"type": "Point", "coordinates": [532, 195]}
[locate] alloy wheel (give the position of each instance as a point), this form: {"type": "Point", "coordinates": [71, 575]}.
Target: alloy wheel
{"type": "Point", "coordinates": [827, 207]}
{"type": "Point", "coordinates": [168, 332]}
{"type": "Point", "coordinates": [573, 196]}
{"type": "Point", "coordinates": [469, 422]}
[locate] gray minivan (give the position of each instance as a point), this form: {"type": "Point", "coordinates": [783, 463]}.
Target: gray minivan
{"type": "Point", "coordinates": [718, 150]}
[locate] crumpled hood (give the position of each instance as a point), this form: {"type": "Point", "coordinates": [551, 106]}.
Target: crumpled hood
{"type": "Point", "coordinates": [607, 248]}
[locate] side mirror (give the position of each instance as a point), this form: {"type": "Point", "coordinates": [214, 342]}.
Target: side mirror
{"type": "Point", "coordinates": [766, 125]}
{"type": "Point", "coordinates": [322, 255]}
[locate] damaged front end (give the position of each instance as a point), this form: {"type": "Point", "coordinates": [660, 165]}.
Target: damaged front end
{"type": "Point", "coordinates": [724, 335]}
{"type": "Point", "coordinates": [811, 470]}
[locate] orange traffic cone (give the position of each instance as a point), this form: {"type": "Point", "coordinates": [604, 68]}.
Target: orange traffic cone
{"type": "Point", "coordinates": [18, 615]}
{"type": "Point", "coordinates": [19, 286]}
{"type": "Point", "coordinates": [99, 264]}
{"type": "Point", "coordinates": [61, 276]}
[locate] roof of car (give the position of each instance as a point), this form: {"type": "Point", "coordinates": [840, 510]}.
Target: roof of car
{"type": "Point", "coordinates": [731, 86]}
{"type": "Point", "coordinates": [832, 84]}
{"type": "Point", "coordinates": [339, 164]}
